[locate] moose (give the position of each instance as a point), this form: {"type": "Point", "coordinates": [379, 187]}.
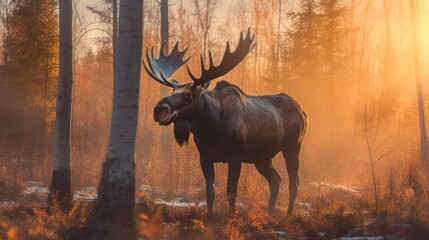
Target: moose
{"type": "Point", "coordinates": [228, 125]}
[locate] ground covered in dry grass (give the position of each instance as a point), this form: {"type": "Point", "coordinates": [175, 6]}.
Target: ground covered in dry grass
{"type": "Point", "coordinates": [323, 211]}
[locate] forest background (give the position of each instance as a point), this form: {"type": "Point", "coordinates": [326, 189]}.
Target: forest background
{"type": "Point", "coordinates": [350, 64]}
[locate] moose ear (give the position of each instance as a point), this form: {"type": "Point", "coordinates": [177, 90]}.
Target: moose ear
{"type": "Point", "coordinates": [204, 86]}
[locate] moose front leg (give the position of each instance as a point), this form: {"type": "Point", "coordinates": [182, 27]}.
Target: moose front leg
{"type": "Point", "coordinates": [234, 169]}
{"type": "Point", "coordinates": [209, 175]}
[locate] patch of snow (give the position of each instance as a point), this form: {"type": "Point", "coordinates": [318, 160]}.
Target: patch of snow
{"type": "Point", "coordinates": [34, 183]}
{"type": "Point", "coordinates": [89, 194]}
{"type": "Point", "coordinates": [35, 188]}
{"type": "Point", "coordinates": [280, 234]}
{"type": "Point", "coordinates": [336, 187]}
{"type": "Point", "coordinates": [304, 205]}
{"type": "Point", "coordinates": [177, 203]}
{"type": "Point", "coordinates": [362, 238]}
{"type": "Point", "coordinates": [180, 192]}
{"type": "Point", "coordinates": [400, 225]}
{"type": "Point", "coordinates": [356, 232]}
{"type": "Point", "coordinates": [239, 204]}
{"type": "Point", "coordinates": [144, 188]}
{"type": "Point", "coordinates": [8, 204]}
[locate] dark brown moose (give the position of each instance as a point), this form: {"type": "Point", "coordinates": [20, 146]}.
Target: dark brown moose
{"type": "Point", "coordinates": [228, 125]}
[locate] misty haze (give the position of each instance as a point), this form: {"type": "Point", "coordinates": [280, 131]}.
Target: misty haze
{"type": "Point", "coordinates": [156, 119]}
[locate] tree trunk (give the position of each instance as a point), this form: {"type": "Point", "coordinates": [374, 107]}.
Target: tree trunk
{"type": "Point", "coordinates": [60, 191]}
{"type": "Point", "coordinates": [164, 23]}
{"type": "Point", "coordinates": [166, 146]}
{"type": "Point", "coordinates": [115, 32]}
{"type": "Point", "coordinates": [276, 64]}
{"type": "Point", "coordinates": [423, 136]}
{"type": "Point", "coordinates": [255, 67]}
{"type": "Point", "coordinates": [5, 19]}
{"type": "Point", "coordinates": [115, 205]}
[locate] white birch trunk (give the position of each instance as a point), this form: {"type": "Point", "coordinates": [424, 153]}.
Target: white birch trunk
{"type": "Point", "coordinates": [117, 184]}
{"type": "Point", "coordinates": [60, 185]}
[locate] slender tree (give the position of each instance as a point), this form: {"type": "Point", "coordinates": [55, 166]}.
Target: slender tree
{"type": "Point", "coordinates": [423, 135]}
{"type": "Point", "coordinates": [204, 12]}
{"type": "Point", "coordinates": [166, 146]}
{"type": "Point", "coordinates": [107, 12]}
{"type": "Point", "coordinates": [60, 191]}
{"type": "Point", "coordinates": [4, 16]}
{"type": "Point", "coordinates": [277, 54]}
{"type": "Point", "coordinates": [164, 23]}
{"type": "Point", "coordinates": [117, 185]}
{"type": "Point", "coordinates": [256, 16]}
{"type": "Point", "coordinates": [115, 31]}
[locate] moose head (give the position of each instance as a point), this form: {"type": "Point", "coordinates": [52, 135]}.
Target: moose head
{"type": "Point", "coordinates": [185, 100]}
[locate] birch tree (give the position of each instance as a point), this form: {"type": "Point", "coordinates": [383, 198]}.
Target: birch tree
{"type": "Point", "coordinates": [4, 14]}
{"type": "Point", "coordinates": [117, 185]}
{"type": "Point", "coordinates": [60, 191]}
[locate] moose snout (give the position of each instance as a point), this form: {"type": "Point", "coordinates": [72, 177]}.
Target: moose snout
{"type": "Point", "coordinates": [163, 114]}
{"type": "Point", "coordinates": [161, 110]}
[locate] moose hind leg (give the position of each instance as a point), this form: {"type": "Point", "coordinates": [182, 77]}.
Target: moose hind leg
{"type": "Point", "coordinates": [291, 155]}
{"type": "Point", "coordinates": [266, 169]}
{"type": "Point", "coordinates": [234, 169]}
{"type": "Point", "coordinates": [209, 175]}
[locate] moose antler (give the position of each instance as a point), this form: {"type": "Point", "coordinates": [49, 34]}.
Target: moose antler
{"type": "Point", "coordinates": [162, 68]}
{"type": "Point", "coordinates": [228, 62]}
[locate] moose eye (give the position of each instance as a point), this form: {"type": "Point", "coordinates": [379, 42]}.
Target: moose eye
{"type": "Point", "coordinates": [188, 95]}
